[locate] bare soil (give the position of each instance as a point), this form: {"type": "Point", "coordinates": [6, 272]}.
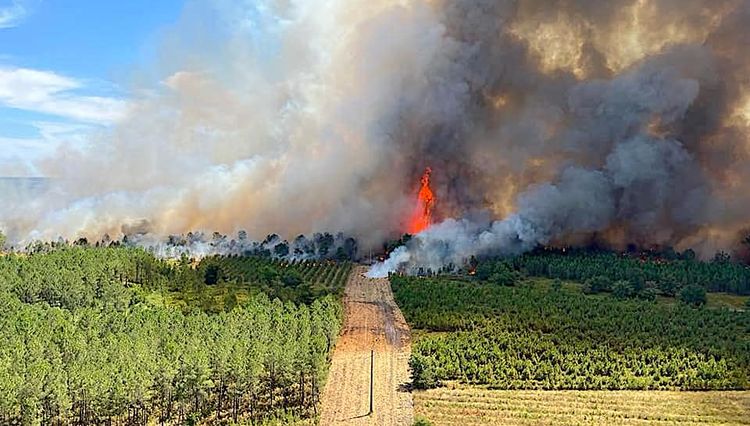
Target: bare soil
{"type": "Point", "coordinates": [372, 322]}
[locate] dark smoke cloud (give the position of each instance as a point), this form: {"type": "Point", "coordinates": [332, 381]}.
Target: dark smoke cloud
{"type": "Point", "coordinates": [621, 148]}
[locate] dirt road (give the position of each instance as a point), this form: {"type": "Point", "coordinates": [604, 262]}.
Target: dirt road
{"type": "Point", "coordinates": [372, 322]}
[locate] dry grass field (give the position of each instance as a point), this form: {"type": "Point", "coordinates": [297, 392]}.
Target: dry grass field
{"type": "Point", "coordinates": [466, 406]}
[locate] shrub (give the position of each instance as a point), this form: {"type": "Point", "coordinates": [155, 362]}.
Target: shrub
{"type": "Point", "coordinates": [596, 284]}
{"type": "Point", "coordinates": [636, 278]}
{"type": "Point", "coordinates": [291, 278]}
{"type": "Point", "coordinates": [668, 288]}
{"type": "Point", "coordinates": [503, 278]}
{"type": "Point", "coordinates": [648, 294]}
{"type": "Point", "coordinates": [211, 276]}
{"type": "Point", "coordinates": [421, 421]}
{"type": "Point", "coordinates": [622, 289]}
{"type": "Point", "coordinates": [484, 270]}
{"type": "Point", "coordinates": [423, 372]}
{"type": "Point", "coordinates": [498, 272]}
{"type": "Point", "coordinates": [556, 284]}
{"type": "Point", "coordinates": [693, 295]}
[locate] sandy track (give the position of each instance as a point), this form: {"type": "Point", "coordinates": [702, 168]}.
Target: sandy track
{"type": "Point", "coordinates": [372, 322]}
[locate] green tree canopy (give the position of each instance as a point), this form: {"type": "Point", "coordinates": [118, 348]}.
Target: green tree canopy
{"type": "Point", "coordinates": [693, 295]}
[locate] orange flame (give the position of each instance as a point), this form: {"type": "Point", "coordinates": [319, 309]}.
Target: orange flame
{"type": "Point", "coordinates": [421, 218]}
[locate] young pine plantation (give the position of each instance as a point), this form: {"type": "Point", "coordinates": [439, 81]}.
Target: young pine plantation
{"type": "Point", "coordinates": [117, 336]}
{"type": "Point", "coordinates": [569, 339]}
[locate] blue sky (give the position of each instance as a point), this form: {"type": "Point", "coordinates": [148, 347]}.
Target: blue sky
{"type": "Point", "coordinates": [63, 66]}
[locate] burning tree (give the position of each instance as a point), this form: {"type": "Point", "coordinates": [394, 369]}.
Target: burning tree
{"type": "Point", "coordinates": [421, 217]}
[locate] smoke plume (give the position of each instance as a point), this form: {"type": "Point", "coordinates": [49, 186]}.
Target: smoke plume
{"type": "Point", "coordinates": [570, 122]}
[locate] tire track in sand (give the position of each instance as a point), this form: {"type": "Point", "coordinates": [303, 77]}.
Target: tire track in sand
{"type": "Point", "coordinates": [372, 321]}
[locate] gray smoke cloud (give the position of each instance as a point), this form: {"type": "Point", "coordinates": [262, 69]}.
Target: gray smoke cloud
{"type": "Point", "coordinates": [621, 156]}
{"type": "Point", "coordinates": [543, 122]}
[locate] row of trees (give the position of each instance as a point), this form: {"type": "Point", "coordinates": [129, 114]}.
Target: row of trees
{"type": "Point", "coordinates": [81, 344]}
{"type": "Point", "coordinates": [526, 337]}
{"type": "Point", "coordinates": [298, 281]}
{"type": "Point", "coordinates": [665, 275]}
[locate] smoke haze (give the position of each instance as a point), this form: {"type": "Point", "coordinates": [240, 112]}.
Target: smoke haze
{"type": "Point", "coordinates": [571, 121]}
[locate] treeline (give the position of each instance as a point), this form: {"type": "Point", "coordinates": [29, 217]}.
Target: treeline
{"type": "Point", "coordinates": [525, 337]}
{"type": "Point", "coordinates": [503, 272]}
{"type": "Point", "coordinates": [318, 246]}
{"type": "Point", "coordinates": [77, 277]}
{"type": "Point", "coordinates": [666, 274]}
{"type": "Point", "coordinates": [81, 344]}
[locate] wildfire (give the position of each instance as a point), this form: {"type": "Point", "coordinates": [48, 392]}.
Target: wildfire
{"type": "Point", "coordinates": [421, 218]}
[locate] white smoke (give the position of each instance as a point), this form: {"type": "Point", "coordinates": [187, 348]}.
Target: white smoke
{"type": "Point", "coordinates": [579, 202]}
{"type": "Point", "coordinates": [282, 123]}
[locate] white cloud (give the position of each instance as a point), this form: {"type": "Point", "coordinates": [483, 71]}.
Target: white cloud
{"type": "Point", "coordinates": [12, 15]}
{"type": "Point", "coordinates": [50, 93]}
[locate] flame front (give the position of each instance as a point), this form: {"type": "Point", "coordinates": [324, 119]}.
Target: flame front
{"type": "Point", "coordinates": [421, 217]}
